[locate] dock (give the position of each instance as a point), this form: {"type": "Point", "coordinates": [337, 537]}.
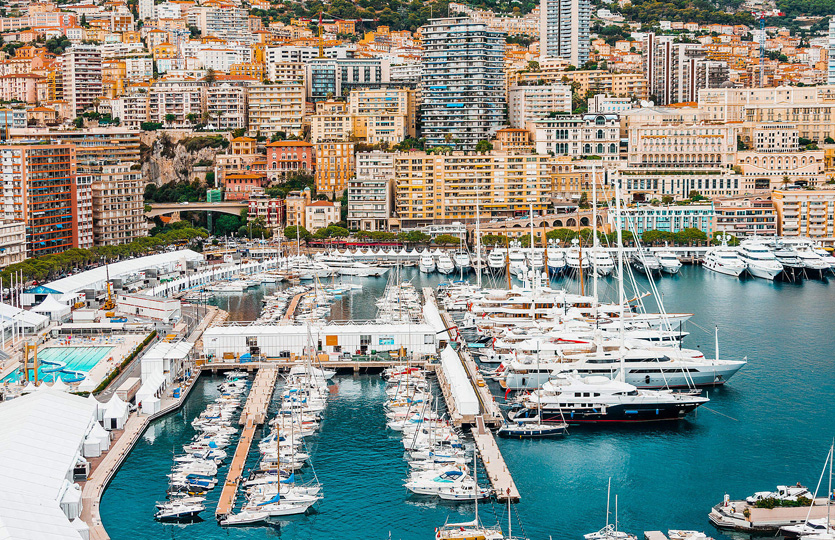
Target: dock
{"type": "Point", "coordinates": [294, 303]}
{"type": "Point", "coordinates": [253, 415]}
{"type": "Point", "coordinates": [494, 464]}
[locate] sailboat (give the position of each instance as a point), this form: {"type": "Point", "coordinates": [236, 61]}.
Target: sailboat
{"type": "Point", "coordinates": [472, 529]}
{"type": "Point", "coordinates": [828, 534]}
{"type": "Point", "coordinates": [610, 531]}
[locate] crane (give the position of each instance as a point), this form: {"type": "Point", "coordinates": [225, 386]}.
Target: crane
{"type": "Point", "coordinates": [761, 16]}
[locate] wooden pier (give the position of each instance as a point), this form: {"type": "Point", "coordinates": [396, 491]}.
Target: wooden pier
{"type": "Point", "coordinates": [494, 464]}
{"type": "Point", "coordinates": [253, 415]}
{"type": "Point", "coordinates": [294, 303]}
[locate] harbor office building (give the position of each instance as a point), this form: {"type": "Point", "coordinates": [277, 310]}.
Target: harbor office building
{"type": "Point", "coordinates": [670, 219]}
{"type": "Point", "coordinates": [332, 339]}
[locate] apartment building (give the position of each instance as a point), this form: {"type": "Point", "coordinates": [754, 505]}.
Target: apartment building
{"type": "Point", "coordinates": [370, 193]}
{"type": "Point", "coordinates": [83, 203]}
{"type": "Point", "coordinates": [645, 184]}
{"type": "Point", "coordinates": [383, 115]}
{"type": "Point", "coordinates": [571, 178]}
{"type": "Point", "coordinates": [178, 97]}
{"type": "Point", "coordinates": [130, 109]}
{"type": "Point", "coordinates": [329, 78]}
{"type": "Point", "coordinates": [331, 122]}
{"type": "Point", "coordinates": [746, 216]}
{"type": "Point", "coordinates": [225, 22]}
{"type": "Point", "coordinates": [278, 107]}
{"type": "Point", "coordinates": [805, 212]}
{"type": "Point", "coordinates": [296, 202]}
{"type": "Point", "coordinates": [514, 141]}
{"type": "Point", "coordinates": [682, 146]}
{"type": "Point", "coordinates": [320, 214]}
{"type": "Point", "coordinates": [665, 218]}
{"type": "Point", "coordinates": [777, 160]}
{"type": "Point", "coordinates": [528, 103]}
{"type": "Point", "coordinates": [463, 84]}
{"type": "Point", "coordinates": [334, 166]}
{"type": "Point", "coordinates": [564, 30]}
{"type": "Point", "coordinates": [118, 208]}
{"type": "Point", "coordinates": [446, 188]}
{"type": "Point", "coordinates": [81, 72]}
{"type": "Point", "coordinates": [226, 106]}
{"type": "Point", "coordinates": [12, 243]}
{"type": "Point", "coordinates": [289, 157]}
{"type": "Point", "coordinates": [675, 72]}
{"type": "Point", "coordinates": [810, 109]}
{"type": "Point", "coordinates": [579, 135]}
{"type": "Point", "coordinates": [269, 210]}
{"type": "Point", "coordinates": [39, 191]}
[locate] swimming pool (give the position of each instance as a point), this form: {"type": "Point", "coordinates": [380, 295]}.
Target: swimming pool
{"type": "Point", "coordinates": [81, 359]}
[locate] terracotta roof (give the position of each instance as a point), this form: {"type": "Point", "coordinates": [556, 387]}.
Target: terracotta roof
{"type": "Point", "coordinates": [242, 139]}
{"type": "Point", "coordinates": [321, 203]}
{"type": "Point", "coordinates": [290, 143]}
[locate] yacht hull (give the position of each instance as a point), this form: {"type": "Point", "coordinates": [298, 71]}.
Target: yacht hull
{"type": "Point", "coordinates": [634, 413]}
{"type": "Point", "coordinates": [763, 273]}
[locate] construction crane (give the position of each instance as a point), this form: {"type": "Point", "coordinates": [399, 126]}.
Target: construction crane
{"type": "Point", "coordinates": [761, 16]}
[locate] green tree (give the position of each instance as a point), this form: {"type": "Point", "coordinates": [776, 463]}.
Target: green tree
{"type": "Point", "coordinates": [290, 233]}
{"type": "Point", "coordinates": [562, 235]}
{"type": "Point", "coordinates": [170, 117]}
{"type": "Point", "coordinates": [584, 200]}
{"type": "Point", "coordinates": [483, 146]}
{"type": "Point", "coordinates": [211, 76]}
{"type": "Point", "coordinates": [731, 239]}
{"type": "Point", "coordinates": [446, 239]}
{"type": "Point", "coordinates": [667, 199]}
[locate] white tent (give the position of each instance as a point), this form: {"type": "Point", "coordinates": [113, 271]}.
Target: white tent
{"type": "Point", "coordinates": [52, 308]}
{"type": "Point", "coordinates": [71, 500]}
{"type": "Point", "coordinates": [59, 385]}
{"type": "Point", "coordinates": [115, 413]}
{"type": "Point", "coordinates": [82, 528]}
{"type": "Point", "coordinates": [29, 388]}
{"type": "Point", "coordinates": [103, 436]}
{"type": "Point", "coordinates": [462, 390]}
{"type": "Point", "coordinates": [150, 405]}
{"type": "Point", "coordinates": [99, 407]}
{"type": "Point", "coordinates": [92, 446]}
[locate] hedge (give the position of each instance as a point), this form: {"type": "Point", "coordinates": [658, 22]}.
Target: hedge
{"type": "Point", "coordinates": [109, 379]}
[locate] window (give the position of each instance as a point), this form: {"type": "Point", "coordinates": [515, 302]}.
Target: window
{"type": "Point", "coordinates": [428, 339]}
{"type": "Point", "coordinates": [385, 340]}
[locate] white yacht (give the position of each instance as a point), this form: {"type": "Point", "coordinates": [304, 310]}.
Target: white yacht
{"type": "Point", "coordinates": [461, 260]}
{"type": "Point", "coordinates": [669, 262]}
{"type": "Point", "coordinates": [760, 261]}
{"type": "Point", "coordinates": [445, 264]}
{"type": "Point", "coordinates": [724, 260]}
{"type": "Point", "coordinates": [556, 260]}
{"type": "Point", "coordinates": [575, 259]}
{"type": "Point", "coordinates": [517, 259]}
{"type": "Point", "coordinates": [825, 255]}
{"type": "Point", "coordinates": [646, 262]}
{"type": "Point", "coordinates": [811, 260]}
{"type": "Point", "coordinates": [598, 399]}
{"type": "Point", "coordinates": [427, 263]}
{"type": "Point", "coordinates": [496, 260]}
{"type": "Point", "coordinates": [602, 262]}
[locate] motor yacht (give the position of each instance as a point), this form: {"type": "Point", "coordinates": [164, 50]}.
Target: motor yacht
{"type": "Point", "coordinates": [461, 261]}
{"type": "Point", "coordinates": [724, 260]}
{"type": "Point", "coordinates": [445, 264]}
{"type": "Point", "coordinates": [426, 264]}
{"type": "Point", "coordinates": [496, 260]}
{"type": "Point", "coordinates": [598, 399]}
{"type": "Point", "coordinates": [760, 261]}
{"type": "Point", "coordinates": [646, 262]}
{"type": "Point", "coordinates": [669, 261]}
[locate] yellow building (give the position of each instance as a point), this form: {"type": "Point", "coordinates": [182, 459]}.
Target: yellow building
{"type": "Point", "coordinates": [571, 178]}
{"type": "Point", "coordinates": [164, 51]}
{"type": "Point", "coordinates": [805, 212]}
{"type": "Point", "coordinates": [334, 166]}
{"type": "Point", "coordinates": [113, 73]}
{"type": "Point", "coordinates": [445, 188]}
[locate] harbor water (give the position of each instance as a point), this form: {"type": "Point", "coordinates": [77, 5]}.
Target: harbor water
{"type": "Point", "coordinates": [772, 424]}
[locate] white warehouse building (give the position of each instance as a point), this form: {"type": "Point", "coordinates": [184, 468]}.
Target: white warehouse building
{"type": "Point", "coordinates": [333, 339]}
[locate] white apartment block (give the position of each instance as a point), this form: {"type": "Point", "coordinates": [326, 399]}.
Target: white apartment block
{"type": "Point", "coordinates": [131, 109]}
{"type": "Point", "coordinates": [682, 146]}
{"type": "Point", "coordinates": [277, 107]}
{"type": "Point", "coordinates": [370, 194]}
{"type": "Point", "coordinates": [528, 103]}
{"type": "Point", "coordinates": [82, 76]}
{"type": "Point", "coordinates": [12, 243]}
{"type": "Point", "coordinates": [226, 106]}
{"type": "Point", "coordinates": [118, 207]}
{"type": "Point", "coordinates": [579, 135]}
{"type": "Point", "coordinates": [177, 97]}
{"type": "Point", "coordinates": [564, 30]}
{"type": "Point", "coordinates": [84, 203]}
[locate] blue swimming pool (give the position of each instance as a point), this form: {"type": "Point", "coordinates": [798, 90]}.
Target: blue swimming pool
{"type": "Point", "coordinates": [64, 362]}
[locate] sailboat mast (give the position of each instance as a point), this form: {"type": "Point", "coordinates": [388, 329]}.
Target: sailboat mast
{"type": "Point", "coordinates": [477, 238]}
{"type": "Point", "coordinates": [829, 493]}
{"type": "Point", "coordinates": [533, 249]}
{"type": "Point", "coordinates": [507, 259]}
{"type": "Point", "coordinates": [593, 262]}
{"type": "Point", "coordinates": [475, 477]}
{"type": "Point", "coordinates": [621, 375]}
{"type": "Point", "coordinates": [608, 496]}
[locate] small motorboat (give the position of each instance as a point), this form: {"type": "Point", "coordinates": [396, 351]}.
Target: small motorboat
{"type": "Point", "coordinates": [534, 430]}
{"type": "Point", "coordinates": [244, 517]}
{"type": "Point", "coordinates": [178, 511]}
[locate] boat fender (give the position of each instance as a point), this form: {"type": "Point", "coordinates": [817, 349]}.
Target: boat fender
{"type": "Point", "coordinates": [656, 412]}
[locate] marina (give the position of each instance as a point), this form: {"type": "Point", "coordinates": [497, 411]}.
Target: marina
{"type": "Point", "coordinates": [518, 454]}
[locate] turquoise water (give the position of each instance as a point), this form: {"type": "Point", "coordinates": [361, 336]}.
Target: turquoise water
{"type": "Point", "coordinates": [772, 424]}
{"type": "Point", "coordinates": [76, 359]}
